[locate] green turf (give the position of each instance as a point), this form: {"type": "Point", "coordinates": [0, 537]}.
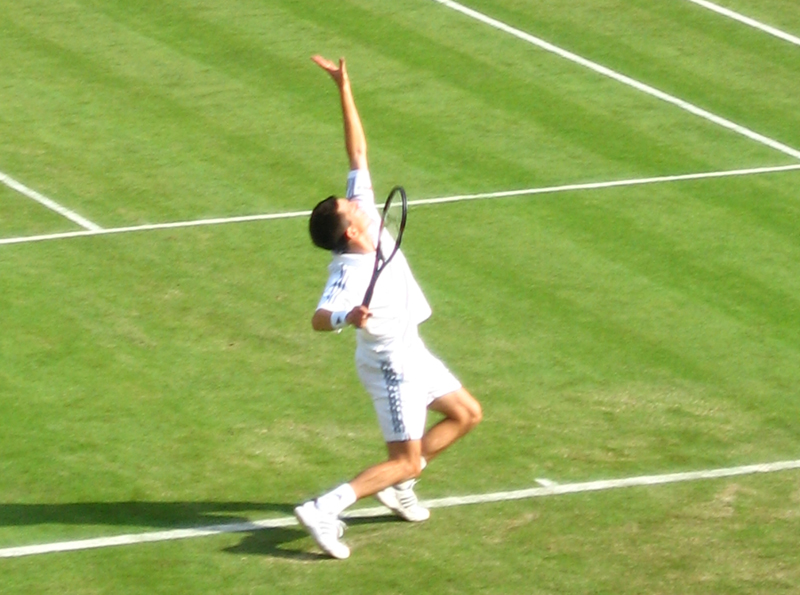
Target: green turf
{"type": "Point", "coordinates": [163, 379]}
{"type": "Point", "coordinates": [20, 215]}
{"type": "Point", "coordinates": [769, 12]}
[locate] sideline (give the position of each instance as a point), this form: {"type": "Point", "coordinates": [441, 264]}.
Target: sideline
{"type": "Point", "coordinates": [47, 202]}
{"type": "Point", "coordinates": [619, 77]}
{"type": "Point", "coordinates": [554, 489]}
{"type": "Point", "coordinates": [747, 21]}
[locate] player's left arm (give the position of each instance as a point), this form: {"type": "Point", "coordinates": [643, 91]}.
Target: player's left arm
{"type": "Point", "coordinates": [355, 139]}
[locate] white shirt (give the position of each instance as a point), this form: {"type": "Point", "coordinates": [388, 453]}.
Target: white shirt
{"type": "Point", "coordinates": [398, 305]}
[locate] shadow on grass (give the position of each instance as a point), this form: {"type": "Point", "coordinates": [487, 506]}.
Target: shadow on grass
{"type": "Point", "coordinates": [134, 514]}
{"type": "Point", "coordinates": [270, 541]}
{"type": "Point", "coordinates": [273, 542]}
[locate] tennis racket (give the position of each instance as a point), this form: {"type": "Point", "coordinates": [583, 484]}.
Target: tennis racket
{"type": "Point", "coordinates": [393, 223]}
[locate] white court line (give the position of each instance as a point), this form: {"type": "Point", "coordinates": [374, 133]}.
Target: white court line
{"type": "Point", "coordinates": [49, 203]}
{"type": "Point", "coordinates": [747, 21]}
{"type": "Point", "coordinates": [610, 184]}
{"type": "Point", "coordinates": [152, 227]}
{"type": "Point", "coordinates": [425, 201]}
{"type": "Point", "coordinates": [626, 80]}
{"type": "Point", "coordinates": [551, 490]}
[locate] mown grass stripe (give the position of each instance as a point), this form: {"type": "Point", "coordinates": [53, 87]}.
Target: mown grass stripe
{"type": "Point", "coordinates": [750, 22]}
{"type": "Point", "coordinates": [48, 202]}
{"type": "Point", "coordinates": [619, 77]}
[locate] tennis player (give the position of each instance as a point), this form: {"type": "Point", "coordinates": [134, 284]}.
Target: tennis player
{"type": "Point", "coordinates": [404, 379]}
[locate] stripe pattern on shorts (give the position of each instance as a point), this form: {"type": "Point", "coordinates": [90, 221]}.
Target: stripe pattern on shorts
{"type": "Point", "coordinates": [392, 380]}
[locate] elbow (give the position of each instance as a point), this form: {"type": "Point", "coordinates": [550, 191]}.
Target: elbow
{"type": "Point", "coordinates": [320, 322]}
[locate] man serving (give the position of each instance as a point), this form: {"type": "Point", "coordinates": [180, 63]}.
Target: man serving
{"type": "Point", "coordinates": [403, 378]}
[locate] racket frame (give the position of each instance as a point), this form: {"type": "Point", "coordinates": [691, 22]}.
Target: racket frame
{"type": "Point", "coordinates": [382, 261]}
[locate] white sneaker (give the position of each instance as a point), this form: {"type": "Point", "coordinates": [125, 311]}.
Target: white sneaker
{"type": "Point", "coordinates": [402, 500]}
{"type": "Point", "coordinates": [326, 529]}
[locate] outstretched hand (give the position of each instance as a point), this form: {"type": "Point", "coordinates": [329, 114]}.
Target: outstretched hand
{"type": "Point", "coordinates": [338, 73]}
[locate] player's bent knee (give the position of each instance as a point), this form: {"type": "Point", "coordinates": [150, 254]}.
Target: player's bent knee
{"type": "Point", "coordinates": [471, 411]}
{"type": "Point", "coordinates": [472, 417]}
{"type": "Point", "coordinates": [460, 407]}
{"type": "Point", "coordinates": [476, 415]}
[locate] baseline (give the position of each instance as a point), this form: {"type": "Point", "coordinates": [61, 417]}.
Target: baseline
{"type": "Point", "coordinates": [619, 77]}
{"type": "Point", "coordinates": [419, 202]}
{"type": "Point", "coordinates": [47, 202]}
{"type": "Point", "coordinates": [552, 490]}
{"type": "Point", "coordinates": [747, 21]}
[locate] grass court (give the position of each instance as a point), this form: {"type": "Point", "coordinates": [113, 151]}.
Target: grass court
{"type": "Point", "coordinates": [619, 301]}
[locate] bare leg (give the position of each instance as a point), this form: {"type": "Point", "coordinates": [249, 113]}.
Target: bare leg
{"type": "Point", "coordinates": [404, 463]}
{"type": "Point", "coordinates": [461, 411]}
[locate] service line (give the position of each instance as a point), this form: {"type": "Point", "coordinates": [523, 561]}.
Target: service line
{"type": "Point", "coordinates": [425, 201]}
{"type": "Point", "coordinates": [554, 489]}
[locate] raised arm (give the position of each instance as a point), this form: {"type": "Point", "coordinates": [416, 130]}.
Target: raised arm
{"type": "Point", "coordinates": [355, 141]}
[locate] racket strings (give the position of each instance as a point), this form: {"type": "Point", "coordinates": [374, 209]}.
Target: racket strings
{"type": "Point", "coordinates": [393, 220]}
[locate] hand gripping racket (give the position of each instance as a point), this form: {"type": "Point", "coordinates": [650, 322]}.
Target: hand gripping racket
{"type": "Point", "coordinates": [393, 223]}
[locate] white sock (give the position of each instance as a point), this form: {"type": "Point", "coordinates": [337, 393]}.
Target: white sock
{"type": "Point", "coordinates": [337, 500]}
{"type": "Point", "coordinates": [405, 485]}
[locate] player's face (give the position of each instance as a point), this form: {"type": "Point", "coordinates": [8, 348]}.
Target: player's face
{"type": "Point", "coordinates": [354, 214]}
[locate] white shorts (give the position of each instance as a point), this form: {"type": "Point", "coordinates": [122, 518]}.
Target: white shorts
{"type": "Point", "coordinates": [402, 387]}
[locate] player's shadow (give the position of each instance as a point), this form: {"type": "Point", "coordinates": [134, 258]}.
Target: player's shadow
{"type": "Point", "coordinates": [269, 541]}
{"type": "Point", "coordinates": [135, 514]}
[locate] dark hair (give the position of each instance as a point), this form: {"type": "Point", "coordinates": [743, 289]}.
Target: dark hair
{"type": "Point", "coordinates": [327, 226]}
